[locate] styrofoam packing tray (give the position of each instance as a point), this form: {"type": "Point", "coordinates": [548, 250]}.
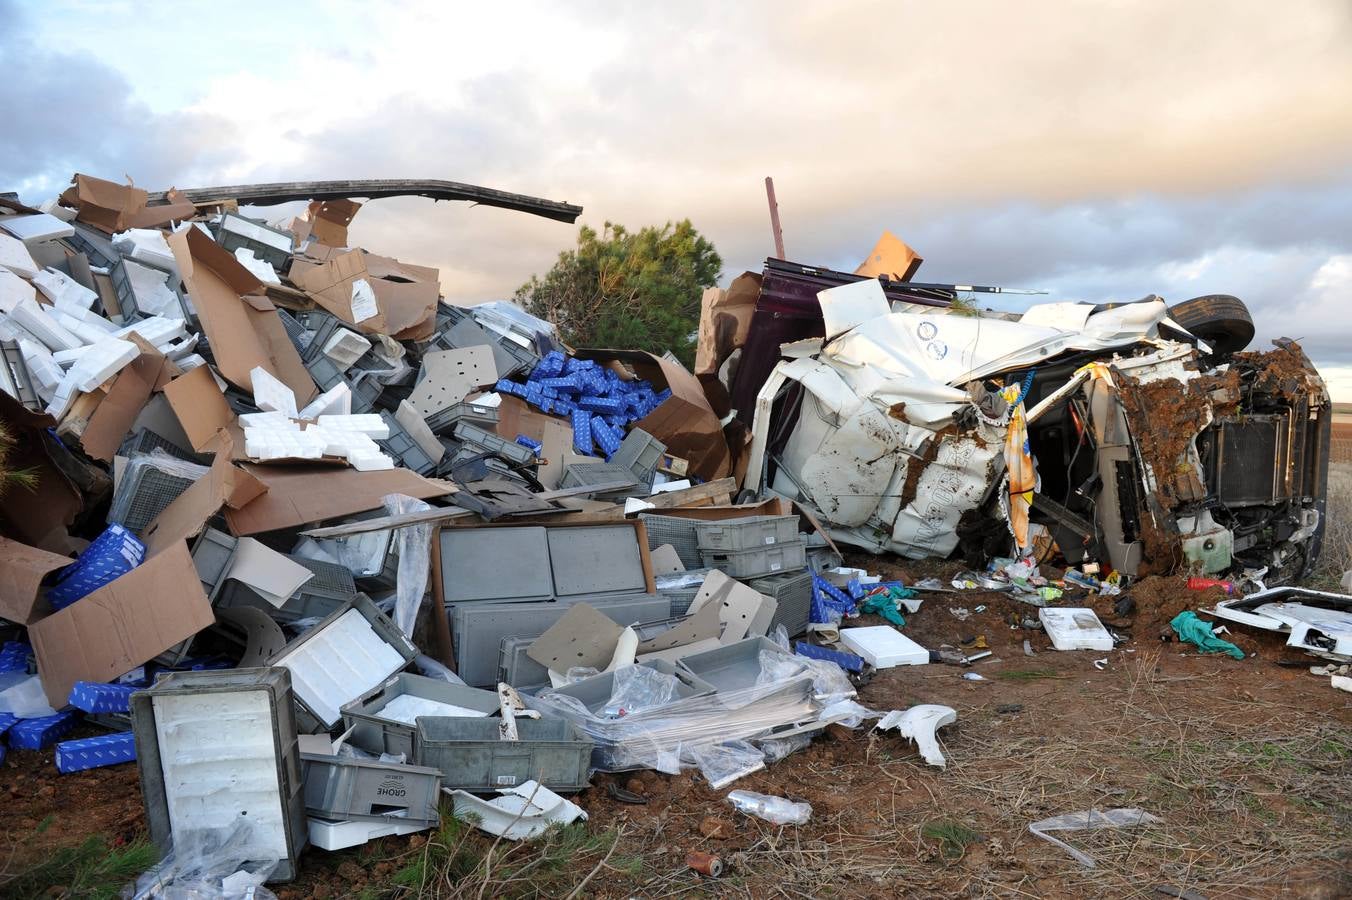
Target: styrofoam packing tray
{"type": "Point", "coordinates": [146, 245]}
{"type": "Point", "coordinates": [36, 228]}
{"type": "Point", "coordinates": [15, 256]}
{"type": "Point", "coordinates": [255, 232]}
{"type": "Point", "coordinates": [270, 394]}
{"type": "Point", "coordinates": [406, 708]}
{"type": "Point", "coordinates": [339, 664]}
{"type": "Point", "coordinates": [367, 423]}
{"type": "Point", "coordinates": [150, 285]}
{"type": "Point", "coordinates": [156, 330]}
{"type": "Point", "coordinates": [220, 767]}
{"type": "Point", "coordinates": [64, 292]}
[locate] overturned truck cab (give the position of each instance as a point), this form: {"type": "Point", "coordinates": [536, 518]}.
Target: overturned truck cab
{"type": "Point", "coordinates": [1134, 435]}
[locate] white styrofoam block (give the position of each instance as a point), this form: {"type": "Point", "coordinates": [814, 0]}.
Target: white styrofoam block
{"type": "Point", "coordinates": [176, 350]}
{"type": "Point", "coordinates": [155, 330]}
{"type": "Point", "coordinates": [377, 463]}
{"type": "Point", "coordinates": [337, 400]}
{"type": "Point", "coordinates": [338, 664]}
{"type": "Point", "coordinates": [104, 360]}
{"type": "Point", "coordinates": [151, 287]}
{"type": "Point", "coordinates": [146, 245]}
{"type": "Point", "coordinates": [191, 361]}
{"type": "Point", "coordinates": [64, 292]}
{"type": "Point", "coordinates": [14, 256]}
{"type": "Point", "coordinates": [884, 647]}
{"type": "Point", "coordinates": [13, 291]}
{"type": "Point", "coordinates": [34, 229]}
{"type": "Point", "coordinates": [255, 232]}
{"type": "Point", "coordinates": [264, 419]}
{"type": "Point", "coordinates": [329, 835]}
{"type": "Point", "coordinates": [270, 393]}
{"type": "Point", "coordinates": [46, 373]}
{"type": "Point", "coordinates": [344, 444]}
{"type": "Point", "coordinates": [366, 423]}
{"type": "Point", "coordinates": [54, 208]}
{"type": "Point", "coordinates": [17, 300]}
{"type": "Point", "coordinates": [219, 761]}
{"type": "Point", "coordinates": [1074, 628]}
{"type": "Point", "coordinates": [91, 318]}
{"type": "Point", "coordinates": [11, 330]}
{"type": "Point", "coordinates": [346, 347]}
{"type": "Point", "coordinates": [261, 268]}
{"type": "Point", "coordinates": [86, 332]}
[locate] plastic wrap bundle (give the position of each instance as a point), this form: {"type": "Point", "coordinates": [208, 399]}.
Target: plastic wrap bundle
{"type": "Point", "coordinates": [668, 735]}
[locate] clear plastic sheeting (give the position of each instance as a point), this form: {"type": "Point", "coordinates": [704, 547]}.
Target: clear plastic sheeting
{"type": "Point", "coordinates": [723, 763]}
{"type": "Point", "coordinates": [675, 581]}
{"type": "Point", "coordinates": [414, 545]}
{"type": "Point", "coordinates": [639, 688]}
{"type": "Point", "coordinates": [775, 749]}
{"type": "Point", "coordinates": [829, 680]}
{"type": "Point", "coordinates": [207, 865]}
{"type": "Point", "coordinates": [775, 810]}
{"type": "Point", "coordinates": [653, 738]}
{"type": "Point", "coordinates": [431, 668]}
{"type": "Point", "coordinates": [1089, 820]}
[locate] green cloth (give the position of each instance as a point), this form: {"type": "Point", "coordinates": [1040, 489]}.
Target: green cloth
{"type": "Point", "coordinates": [881, 604]}
{"type": "Point", "coordinates": [1195, 631]}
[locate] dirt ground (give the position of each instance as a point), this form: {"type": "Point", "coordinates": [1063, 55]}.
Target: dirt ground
{"type": "Point", "coordinates": [1247, 764]}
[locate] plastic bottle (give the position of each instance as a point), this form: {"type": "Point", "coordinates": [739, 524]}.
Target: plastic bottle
{"type": "Point", "coordinates": [775, 810]}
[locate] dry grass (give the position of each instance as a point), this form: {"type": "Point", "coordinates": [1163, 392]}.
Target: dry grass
{"type": "Point", "coordinates": [1336, 556]}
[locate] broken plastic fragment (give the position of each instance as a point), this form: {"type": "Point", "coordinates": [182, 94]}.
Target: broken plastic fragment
{"type": "Point", "coordinates": [1086, 821]}
{"type": "Point", "coordinates": [521, 813]}
{"type": "Point", "coordinates": [919, 723]}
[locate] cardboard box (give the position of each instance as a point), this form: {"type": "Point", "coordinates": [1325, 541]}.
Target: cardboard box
{"type": "Point", "coordinates": [686, 422]}
{"type": "Point", "coordinates": [39, 516]}
{"type": "Point", "coordinates": [304, 495]}
{"type": "Point", "coordinates": [406, 295]}
{"type": "Point", "coordinates": [226, 485]}
{"type": "Point", "coordinates": [329, 220]}
{"type": "Point", "coordinates": [241, 324]}
{"type": "Point", "coordinates": [725, 321]}
{"type": "Point", "coordinates": [113, 207]}
{"type": "Point", "coordinates": [892, 257]}
{"type": "Point", "coordinates": [200, 406]}
{"type": "Point", "coordinates": [130, 391]}
{"type": "Point", "coordinates": [123, 624]}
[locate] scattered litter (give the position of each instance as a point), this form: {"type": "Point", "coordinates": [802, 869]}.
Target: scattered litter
{"type": "Point", "coordinates": [919, 723]}
{"type": "Point", "coordinates": [972, 676]}
{"type": "Point", "coordinates": [704, 863]}
{"type": "Point", "coordinates": [775, 810]}
{"type": "Point", "coordinates": [1089, 821]}
{"type": "Point", "coordinates": [522, 812]}
{"type": "Point", "coordinates": [1074, 629]}
{"type": "Point", "coordinates": [1101, 664]}
{"type": "Point", "coordinates": [1193, 630]}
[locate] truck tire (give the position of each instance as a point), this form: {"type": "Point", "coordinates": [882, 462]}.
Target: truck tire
{"type": "Point", "coordinates": [1219, 319]}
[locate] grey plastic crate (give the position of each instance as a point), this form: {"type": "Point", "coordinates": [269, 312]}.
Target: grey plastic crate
{"type": "Point", "coordinates": [143, 440]}
{"type": "Point", "coordinates": [677, 531]}
{"type": "Point", "coordinates": [375, 734]}
{"type": "Point", "coordinates": [212, 554]}
{"type": "Point", "coordinates": [516, 668]}
{"type": "Point", "coordinates": [344, 788]}
{"type": "Point", "coordinates": [144, 493]}
{"type": "Point", "coordinates": [464, 411]}
{"type": "Point", "coordinates": [471, 757]}
{"type": "Point", "coordinates": [584, 473]}
{"type": "Point", "coordinates": [596, 559]}
{"type": "Point", "coordinates": [15, 380]}
{"type": "Point", "coordinates": [403, 448]}
{"type": "Point", "coordinates": [595, 692]}
{"type": "Point", "coordinates": [792, 591]}
{"type": "Point", "coordinates": [746, 533]}
{"type": "Point", "coordinates": [129, 304]}
{"type": "Point", "coordinates": [679, 598]}
{"type": "Point", "coordinates": [479, 628]}
{"type": "Point", "coordinates": [755, 563]}
{"type": "Point", "coordinates": [232, 240]}
{"type": "Point", "coordinates": [96, 247]}
{"type": "Point", "coordinates": [192, 765]}
{"type": "Point", "coordinates": [498, 564]}
{"type": "Point", "coordinates": [330, 588]}
{"type": "Point", "coordinates": [348, 680]}
{"type": "Point", "coordinates": [321, 328]}
{"type": "Point", "coordinates": [487, 442]}
{"type": "Point", "coordinates": [732, 666]}
{"type": "Point", "coordinates": [639, 452]}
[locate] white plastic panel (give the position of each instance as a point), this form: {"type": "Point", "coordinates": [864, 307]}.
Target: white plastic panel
{"type": "Point", "coordinates": [406, 708]}
{"type": "Point", "coordinates": [219, 759]}
{"type": "Point", "coordinates": [340, 663]}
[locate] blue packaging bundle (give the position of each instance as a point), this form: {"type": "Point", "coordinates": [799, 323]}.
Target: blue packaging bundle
{"type": "Point", "coordinates": [847, 661]}
{"type": "Point", "coordinates": [14, 656]}
{"type": "Point", "coordinates": [605, 436]}
{"type": "Point", "coordinates": [34, 734]}
{"type": "Point", "coordinates": [533, 445]}
{"type": "Point", "coordinates": [582, 431]}
{"type": "Point", "coordinates": [112, 555]}
{"type": "Point", "coordinates": [7, 721]}
{"type": "Point", "coordinates": [95, 697]}
{"type": "Point", "coordinates": [91, 753]}
{"type": "Point", "coordinates": [827, 598]}
{"type": "Point", "coordinates": [606, 406]}
{"type": "Point", "coordinates": [549, 367]}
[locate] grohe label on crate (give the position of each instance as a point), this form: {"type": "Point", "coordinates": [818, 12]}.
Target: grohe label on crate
{"type": "Point", "coordinates": [770, 539]}
{"type": "Point", "coordinates": [508, 780]}
{"type": "Point", "coordinates": [775, 567]}
{"type": "Point", "coordinates": [390, 789]}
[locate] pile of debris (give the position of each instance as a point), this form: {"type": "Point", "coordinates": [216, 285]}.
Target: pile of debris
{"type": "Point", "coordinates": [315, 547]}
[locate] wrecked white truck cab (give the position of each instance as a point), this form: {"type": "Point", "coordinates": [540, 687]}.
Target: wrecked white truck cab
{"type": "Point", "coordinates": [1129, 440]}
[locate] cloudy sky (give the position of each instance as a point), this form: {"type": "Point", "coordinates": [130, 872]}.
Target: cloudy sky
{"type": "Point", "coordinates": [1098, 150]}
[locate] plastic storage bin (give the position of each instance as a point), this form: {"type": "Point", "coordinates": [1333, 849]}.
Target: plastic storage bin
{"type": "Point", "coordinates": [677, 531]}
{"type": "Point", "coordinates": [376, 733]}
{"type": "Point", "coordinates": [792, 591]}
{"type": "Point", "coordinates": [757, 562]}
{"type": "Point", "coordinates": [747, 533]}
{"type": "Point", "coordinates": [345, 788]}
{"type": "Point", "coordinates": [216, 748]}
{"type": "Point", "coordinates": [472, 757]}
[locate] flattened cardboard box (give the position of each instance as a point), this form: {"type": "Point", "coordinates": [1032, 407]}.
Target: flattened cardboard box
{"type": "Point", "coordinates": [128, 395]}
{"type": "Point", "coordinates": [300, 496]}
{"type": "Point", "coordinates": [114, 207]}
{"type": "Point", "coordinates": [725, 321]}
{"type": "Point", "coordinates": [121, 625]}
{"type": "Point", "coordinates": [41, 515]}
{"type": "Point", "coordinates": [241, 324]}
{"type": "Point", "coordinates": [21, 578]}
{"type": "Point", "coordinates": [225, 485]}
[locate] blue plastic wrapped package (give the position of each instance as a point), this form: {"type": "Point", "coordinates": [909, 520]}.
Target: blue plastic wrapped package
{"type": "Point", "coordinates": [94, 752]}
{"type": "Point", "coordinates": [113, 554]}
{"type": "Point", "coordinates": [582, 432]}
{"type": "Point", "coordinates": [14, 656]}
{"type": "Point", "coordinates": [533, 445]}
{"type": "Point", "coordinates": [34, 734]}
{"type": "Point", "coordinates": [606, 406]}
{"type": "Point", "coordinates": [549, 367]}
{"type": "Point", "coordinates": [829, 604]}
{"type": "Point", "coordinates": [604, 436]}
{"type": "Point", "coordinates": [96, 697]}
{"type": "Point", "coordinates": [7, 721]}
{"type": "Point", "coordinates": [847, 661]}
